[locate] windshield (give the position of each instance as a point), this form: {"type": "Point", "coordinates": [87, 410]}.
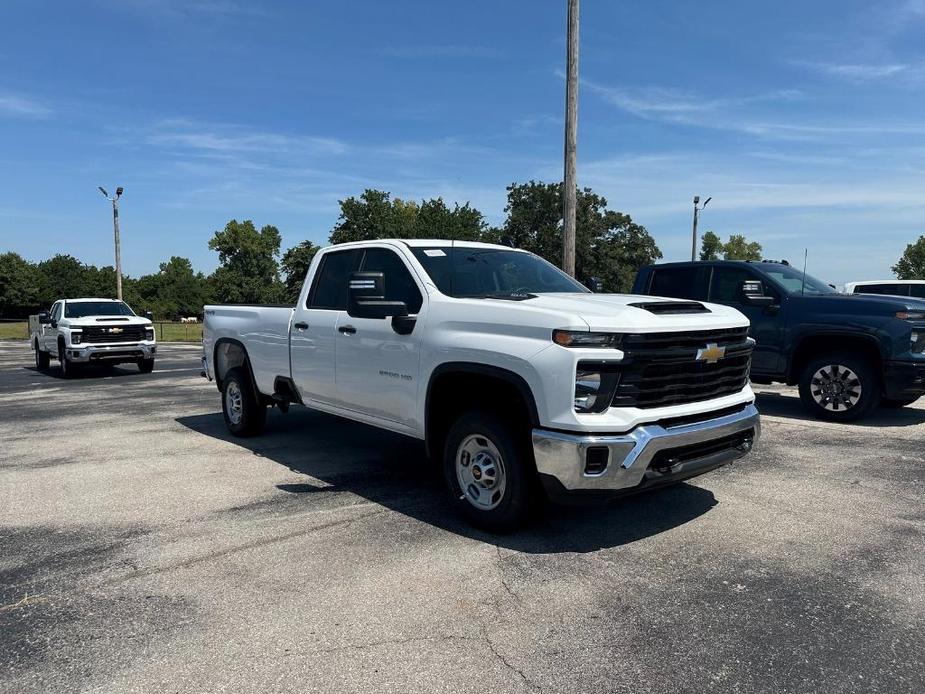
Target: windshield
{"type": "Point", "coordinates": [82, 309]}
{"type": "Point", "coordinates": [490, 272]}
{"type": "Point", "coordinates": [792, 280]}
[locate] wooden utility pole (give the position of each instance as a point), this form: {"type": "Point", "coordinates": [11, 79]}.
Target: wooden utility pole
{"type": "Point", "coordinates": [115, 231]}
{"type": "Point", "coordinates": [569, 193]}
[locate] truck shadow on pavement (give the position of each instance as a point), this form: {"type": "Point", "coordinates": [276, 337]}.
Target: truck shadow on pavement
{"type": "Point", "coordinates": [790, 406]}
{"type": "Point", "coordinates": [92, 371]}
{"type": "Point", "coordinates": [341, 456]}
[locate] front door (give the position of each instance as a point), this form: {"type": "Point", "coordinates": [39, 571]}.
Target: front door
{"type": "Point", "coordinates": [50, 330]}
{"type": "Point", "coordinates": [377, 369]}
{"type": "Point", "coordinates": [313, 335]}
{"type": "Point", "coordinates": [766, 323]}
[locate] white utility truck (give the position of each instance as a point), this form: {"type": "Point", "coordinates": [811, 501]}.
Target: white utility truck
{"type": "Point", "coordinates": [98, 331]}
{"type": "Point", "coordinates": [517, 378]}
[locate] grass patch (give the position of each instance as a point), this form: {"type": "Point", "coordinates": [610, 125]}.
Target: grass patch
{"type": "Point", "coordinates": [166, 332]}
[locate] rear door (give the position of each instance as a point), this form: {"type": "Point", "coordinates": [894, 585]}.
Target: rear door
{"type": "Point", "coordinates": [377, 369]}
{"type": "Point", "coordinates": [767, 324]}
{"type": "Point", "coordinates": [313, 336]}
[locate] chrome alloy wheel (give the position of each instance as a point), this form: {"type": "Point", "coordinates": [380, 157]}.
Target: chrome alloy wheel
{"type": "Point", "coordinates": [836, 388]}
{"type": "Point", "coordinates": [234, 403]}
{"type": "Point", "coordinates": [480, 472]}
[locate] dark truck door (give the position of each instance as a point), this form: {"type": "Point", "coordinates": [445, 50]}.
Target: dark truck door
{"type": "Point", "coordinates": [767, 323]}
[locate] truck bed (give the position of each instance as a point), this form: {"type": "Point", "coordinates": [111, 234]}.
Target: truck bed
{"type": "Point", "coordinates": [262, 329]}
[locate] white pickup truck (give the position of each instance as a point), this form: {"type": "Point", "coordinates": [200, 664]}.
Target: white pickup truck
{"type": "Point", "coordinates": [517, 378]}
{"type": "Point", "coordinates": [99, 331]}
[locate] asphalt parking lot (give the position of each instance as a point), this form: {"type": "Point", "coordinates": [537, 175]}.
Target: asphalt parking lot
{"type": "Point", "coordinates": [141, 549]}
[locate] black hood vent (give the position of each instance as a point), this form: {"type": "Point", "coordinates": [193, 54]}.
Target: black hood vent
{"type": "Point", "coordinates": [671, 307]}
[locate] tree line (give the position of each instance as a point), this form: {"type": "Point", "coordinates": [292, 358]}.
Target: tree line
{"type": "Point", "coordinates": [610, 246]}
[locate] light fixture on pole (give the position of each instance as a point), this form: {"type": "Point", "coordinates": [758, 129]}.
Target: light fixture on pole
{"type": "Point", "coordinates": [696, 214]}
{"type": "Point", "coordinates": [115, 230]}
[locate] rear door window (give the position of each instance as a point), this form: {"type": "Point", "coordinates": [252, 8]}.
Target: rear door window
{"type": "Point", "coordinates": [890, 289]}
{"type": "Point", "coordinates": [917, 290]}
{"type": "Point", "coordinates": [329, 289]}
{"type": "Point", "coordinates": [681, 283]}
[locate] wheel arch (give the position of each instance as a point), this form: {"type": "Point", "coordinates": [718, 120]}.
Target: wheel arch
{"type": "Point", "coordinates": [461, 380]}
{"type": "Point", "coordinates": [229, 353]}
{"type": "Point", "coordinates": [813, 344]}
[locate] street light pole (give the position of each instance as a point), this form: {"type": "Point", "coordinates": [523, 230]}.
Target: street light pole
{"type": "Point", "coordinates": [694, 233]}
{"type": "Point", "coordinates": [569, 194]}
{"type": "Point", "coordinates": [115, 231]}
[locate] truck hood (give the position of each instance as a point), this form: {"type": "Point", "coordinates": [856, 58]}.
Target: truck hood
{"type": "Point", "coordinates": [87, 321]}
{"type": "Point", "coordinates": [617, 312]}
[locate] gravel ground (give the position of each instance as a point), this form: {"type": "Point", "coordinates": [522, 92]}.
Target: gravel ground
{"type": "Point", "coordinates": [141, 549]}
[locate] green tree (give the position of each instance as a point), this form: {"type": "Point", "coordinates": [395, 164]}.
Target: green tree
{"type": "Point", "coordinates": [710, 246]}
{"type": "Point", "coordinates": [64, 277]}
{"type": "Point", "coordinates": [19, 286]}
{"type": "Point", "coordinates": [740, 248]}
{"type": "Point", "coordinates": [176, 290]}
{"type": "Point", "coordinates": [911, 266]}
{"type": "Point", "coordinates": [294, 265]}
{"type": "Point", "coordinates": [248, 270]}
{"type": "Point", "coordinates": [608, 244]}
{"type": "Point", "coordinates": [375, 215]}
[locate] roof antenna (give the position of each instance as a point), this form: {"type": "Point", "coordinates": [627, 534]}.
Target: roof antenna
{"type": "Point", "coordinates": [803, 284]}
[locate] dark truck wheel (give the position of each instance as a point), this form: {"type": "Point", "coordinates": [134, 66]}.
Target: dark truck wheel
{"type": "Point", "coordinates": [488, 472]}
{"type": "Point", "coordinates": [244, 414]}
{"type": "Point", "coordinates": [68, 370]}
{"type": "Point", "coordinates": [895, 404]}
{"type": "Point", "coordinates": [840, 387]}
{"type": "Point", "coordinates": [146, 366]}
{"type": "Point", "coordinates": [42, 359]}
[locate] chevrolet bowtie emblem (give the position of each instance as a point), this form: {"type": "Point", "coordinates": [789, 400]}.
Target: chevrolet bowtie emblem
{"type": "Point", "coordinates": [115, 330]}
{"type": "Point", "coordinates": [711, 354]}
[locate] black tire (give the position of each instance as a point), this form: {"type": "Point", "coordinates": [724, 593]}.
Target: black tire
{"type": "Point", "coordinates": [252, 415]}
{"type": "Point", "coordinates": [146, 366]}
{"type": "Point", "coordinates": [68, 368]}
{"type": "Point", "coordinates": [514, 504]}
{"type": "Point", "coordinates": [840, 386]}
{"type": "Point", "coordinates": [42, 360]}
{"type": "Point", "coordinates": [895, 404]}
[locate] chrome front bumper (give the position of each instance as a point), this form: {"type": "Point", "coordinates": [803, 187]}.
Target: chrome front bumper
{"type": "Point", "coordinates": [645, 456]}
{"type": "Point", "coordinates": [111, 353]}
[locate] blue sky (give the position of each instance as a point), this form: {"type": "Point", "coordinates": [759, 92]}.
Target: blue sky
{"type": "Point", "coordinates": [804, 120]}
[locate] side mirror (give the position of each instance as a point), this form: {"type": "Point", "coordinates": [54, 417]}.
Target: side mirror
{"type": "Point", "coordinates": [44, 318]}
{"type": "Point", "coordinates": [752, 293]}
{"type": "Point", "coordinates": [595, 284]}
{"type": "Point", "coordinates": [149, 315]}
{"type": "Point", "coordinates": [366, 297]}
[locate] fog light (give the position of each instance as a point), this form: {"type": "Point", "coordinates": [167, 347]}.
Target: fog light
{"type": "Point", "coordinates": [596, 458]}
{"type": "Point", "coordinates": [595, 383]}
{"type": "Point", "coordinates": [918, 342]}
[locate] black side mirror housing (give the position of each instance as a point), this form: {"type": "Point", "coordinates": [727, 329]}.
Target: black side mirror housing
{"type": "Point", "coordinates": [44, 318]}
{"type": "Point", "coordinates": [149, 315]}
{"type": "Point", "coordinates": [366, 297]}
{"type": "Point", "coordinates": [595, 284]}
{"type": "Point", "coordinates": [752, 293]}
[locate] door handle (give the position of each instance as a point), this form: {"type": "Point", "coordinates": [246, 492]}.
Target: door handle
{"type": "Point", "coordinates": [347, 329]}
{"type": "Point", "coordinates": [300, 325]}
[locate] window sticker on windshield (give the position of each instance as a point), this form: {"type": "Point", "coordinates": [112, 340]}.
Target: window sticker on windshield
{"type": "Point", "coordinates": [434, 253]}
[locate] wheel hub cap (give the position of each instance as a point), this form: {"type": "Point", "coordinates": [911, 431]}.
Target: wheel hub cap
{"type": "Point", "coordinates": [836, 387]}
{"type": "Point", "coordinates": [234, 403]}
{"type": "Point", "coordinates": [480, 472]}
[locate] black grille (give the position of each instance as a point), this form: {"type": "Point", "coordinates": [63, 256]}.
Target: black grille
{"type": "Point", "coordinates": [662, 369]}
{"type": "Point", "coordinates": [104, 334]}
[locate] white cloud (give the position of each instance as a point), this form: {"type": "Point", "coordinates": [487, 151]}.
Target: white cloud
{"type": "Point", "coordinates": [22, 106]}
{"type": "Point", "coordinates": [861, 72]}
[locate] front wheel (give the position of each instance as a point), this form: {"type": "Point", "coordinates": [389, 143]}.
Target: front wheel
{"type": "Point", "coordinates": [896, 403]}
{"type": "Point", "coordinates": [68, 370]}
{"type": "Point", "coordinates": [488, 472]}
{"type": "Point", "coordinates": [840, 387]}
{"type": "Point", "coordinates": [146, 366]}
{"type": "Point", "coordinates": [244, 414]}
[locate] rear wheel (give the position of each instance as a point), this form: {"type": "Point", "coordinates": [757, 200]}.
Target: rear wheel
{"type": "Point", "coordinates": [244, 414]}
{"type": "Point", "coordinates": [895, 404]}
{"type": "Point", "coordinates": [488, 472]}
{"type": "Point", "coordinates": [42, 359]}
{"type": "Point", "coordinates": [840, 387]}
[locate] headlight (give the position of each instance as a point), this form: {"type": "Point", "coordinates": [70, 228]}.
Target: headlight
{"type": "Point", "coordinates": [918, 341]}
{"type": "Point", "coordinates": [577, 338]}
{"type": "Point", "coordinates": [910, 315]}
{"type": "Point", "coordinates": [75, 337]}
{"type": "Point", "coordinates": [149, 333]}
{"type": "Point", "coordinates": [595, 383]}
